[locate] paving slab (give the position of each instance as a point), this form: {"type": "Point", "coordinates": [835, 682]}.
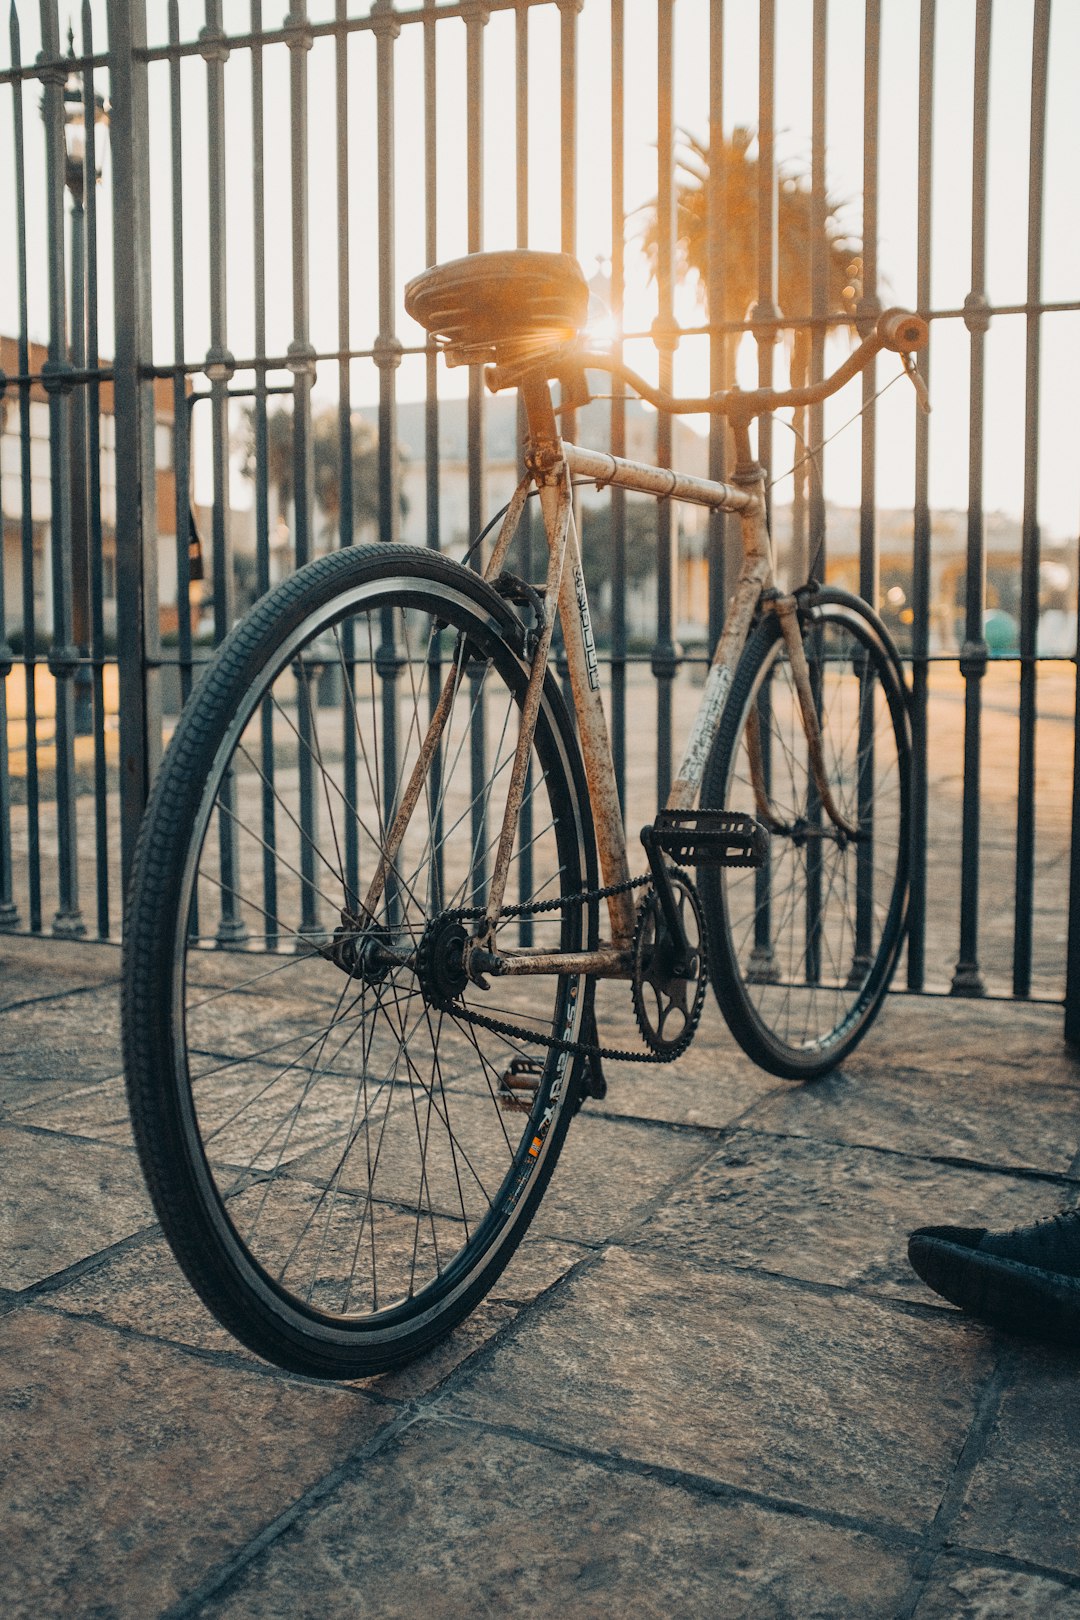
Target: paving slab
{"type": "Point", "coordinates": [1022, 1122]}
{"type": "Point", "coordinates": [129, 1468]}
{"type": "Point", "coordinates": [1022, 1498]}
{"type": "Point", "coordinates": [509, 1527]}
{"type": "Point", "coordinates": [830, 1213]}
{"type": "Point", "coordinates": [61, 1202]}
{"type": "Point", "coordinates": [98, 1112]}
{"type": "Point", "coordinates": [960, 1038]}
{"type": "Point", "coordinates": [72, 1038]}
{"type": "Point", "coordinates": [712, 1084]}
{"type": "Point", "coordinates": [610, 1172]}
{"type": "Point", "coordinates": [830, 1401]}
{"type": "Point", "coordinates": [957, 1591]}
{"type": "Point", "coordinates": [32, 969]}
{"type": "Point", "coordinates": [141, 1288]}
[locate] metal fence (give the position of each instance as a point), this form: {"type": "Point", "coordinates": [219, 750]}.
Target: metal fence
{"type": "Point", "coordinates": [208, 375]}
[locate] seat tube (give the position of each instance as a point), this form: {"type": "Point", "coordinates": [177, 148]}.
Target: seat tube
{"type": "Point", "coordinates": [545, 446]}
{"type": "Point", "coordinates": [593, 731]}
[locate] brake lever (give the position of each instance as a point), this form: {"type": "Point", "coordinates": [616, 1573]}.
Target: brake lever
{"type": "Point", "coordinates": [917, 383]}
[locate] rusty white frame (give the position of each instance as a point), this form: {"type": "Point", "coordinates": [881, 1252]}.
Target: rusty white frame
{"type": "Point", "coordinates": [552, 466]}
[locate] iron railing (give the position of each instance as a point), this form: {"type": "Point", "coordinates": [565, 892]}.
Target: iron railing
{"type": "Point", "coordinates": [169, 314]}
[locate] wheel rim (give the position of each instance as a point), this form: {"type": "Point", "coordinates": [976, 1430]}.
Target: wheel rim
{"type": "Point", "coordinates": [811, 941]}
{"type": "Point", "coordinates": [349, 1138]}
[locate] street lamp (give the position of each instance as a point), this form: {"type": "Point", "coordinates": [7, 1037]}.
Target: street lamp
{"type": "Point", "coordinates": [75, 178]}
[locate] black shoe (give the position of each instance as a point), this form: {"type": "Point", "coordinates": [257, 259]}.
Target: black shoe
{"type": "Point", "coordinates": [1026, 1280]}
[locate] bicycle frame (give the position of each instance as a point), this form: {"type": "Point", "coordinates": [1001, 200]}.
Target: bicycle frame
{"type": "Point", "coordinates": [552, 464]}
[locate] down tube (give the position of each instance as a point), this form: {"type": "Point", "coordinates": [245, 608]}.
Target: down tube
{"type": "Point", "coordinates": [592, 726]}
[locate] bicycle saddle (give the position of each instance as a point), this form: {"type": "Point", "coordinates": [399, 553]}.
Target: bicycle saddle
{"type": "Point", "coordinates": [516, 301]}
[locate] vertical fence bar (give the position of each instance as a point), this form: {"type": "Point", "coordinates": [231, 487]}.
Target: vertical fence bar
{"type": "Point", "coordinates": [920, 563]}
{"type": "Point", "coordinates": [181, 407]}
{"type": "Point", "coordinates": [387, 359]}
{"type": "Point", "coordinates": [967, 979]}
{"type": "Point", "coordinates": [79, 186]}
{"type": "Point", "coordinates": [261, 433]}
{"type": "Point", "coordinates": [475, 14]}
{"type": "Point", "coordinates": [29, 650]}
{"type": "Point", "coordinates": [301, 360]}
{"type": "Point", "coordinates": [431, 436]}
{"type": "Point", "coordinates": [568, 14]}
{"type": "Point", "coordinates": [819, 286]}
{"type": "Point", "coordinates": [869, 307]}
{"type": "Point", "coordinates": [476, 17]}
{"type": "Point", "coordinates": [56, 376]}
{"type": "Point", "coordinates": [1029, 553]}
{"type": "Point", "coordinates": [93, 445]}
{"type": "Point", "coordinates": [136, 501]}
{"type": "Point", "coordinates": [618, 396]}
{"type": "Point", "coordinates": [815, 558]}
{"type": "Point", "coordinates": [525, 530]}
{"type": "Point", "coordinates": [666, 337]}
{"type": "Point", "coordinates": [763, 316]}
{"type": "Point", "coordinates": [345, 439]}
{"type": "Point", "coordinates": [719, 340]}
{"type": "Point", "coordinates": [431, 253]}
{"type": "Point", "coordinates": [232, 927]}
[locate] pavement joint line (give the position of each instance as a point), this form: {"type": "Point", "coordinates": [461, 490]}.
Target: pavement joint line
{"type": "Point", "coordinates": [28, 1128]}
{"type": "Point", "coordinates": [59, 995]}
{"type": "Point", "coordinates": [920, 1310]}
{"type": "Point", "coordinates": [224, 1360]}
{"type": "Point", "coordinates": [663, 1196]}
{"type": "Point", "coordinates": [973, 1557]}
{"type": "Point", "coordinates": [970, 1455]}
{"type": "Point", "coordinates": [885, 1530]}
{"type": "Point", "coordinates": [953, 1161]}
{"type": "Point", "coordinates": [220, 1579]}
{"type": "Point", "coordinates": [86, 1265]}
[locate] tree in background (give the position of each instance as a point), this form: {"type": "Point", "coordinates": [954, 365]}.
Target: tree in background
{"type": "Point", "coordinates": [738, 183]}
{"type": "Point", "coordinates": [326, 459]}
{"type": "Point", "coordinates": [734, 160]}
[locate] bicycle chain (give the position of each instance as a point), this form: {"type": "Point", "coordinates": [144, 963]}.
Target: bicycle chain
{"type": "Point", "coordinates": [557, 1043]}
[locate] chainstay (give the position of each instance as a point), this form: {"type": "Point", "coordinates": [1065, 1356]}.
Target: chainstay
{"type": "Point", "coordinates": [555, 1043]}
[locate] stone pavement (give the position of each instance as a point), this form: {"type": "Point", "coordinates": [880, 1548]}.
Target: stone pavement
{"type": "Point", "coordinates": [708, 1385]}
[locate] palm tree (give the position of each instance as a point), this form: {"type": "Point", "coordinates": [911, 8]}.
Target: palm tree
{"type": "Point", "coordinates": [797, 230]}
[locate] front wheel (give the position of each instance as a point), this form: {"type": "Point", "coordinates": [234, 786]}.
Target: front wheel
{"type": "Point", "coordinates": [333, 1148]}
{"type": "Point", "coordinates": [802, 951]}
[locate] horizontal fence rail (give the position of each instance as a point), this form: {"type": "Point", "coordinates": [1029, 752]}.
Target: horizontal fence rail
{"type": "Point", "coordinates": [207, 378]}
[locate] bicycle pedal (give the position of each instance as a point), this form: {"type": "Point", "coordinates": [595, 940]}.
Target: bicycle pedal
{"type": "Point", "coordinates": [519, 1085]}
{"type": "Point", "coordinates": [710, 837]}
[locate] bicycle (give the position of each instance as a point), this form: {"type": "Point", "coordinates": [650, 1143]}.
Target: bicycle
{"type": "Point", "coordinates": [351, 1056]}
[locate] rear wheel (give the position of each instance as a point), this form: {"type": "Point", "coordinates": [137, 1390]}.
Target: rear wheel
{"type": "Point", "coordinates": [802, 951]}
{"type": "Point", "coordinates": [336, 1158]}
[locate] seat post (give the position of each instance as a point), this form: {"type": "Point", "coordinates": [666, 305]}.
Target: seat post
{"type": "Point", "coordinates": [544, 445]}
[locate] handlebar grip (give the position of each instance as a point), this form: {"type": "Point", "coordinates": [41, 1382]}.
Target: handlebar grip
{"type": "Point", "coordinates": [901, 331]}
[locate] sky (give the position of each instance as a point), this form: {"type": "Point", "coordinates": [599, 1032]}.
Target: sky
{"type": "Point", "coordinates": [1059, 481]}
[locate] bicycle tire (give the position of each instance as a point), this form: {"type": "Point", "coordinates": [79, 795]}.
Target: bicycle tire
{"type": "Point", "coordinates": [803, 951]}
{"type": "Point", "coordinates": [329, 1156]}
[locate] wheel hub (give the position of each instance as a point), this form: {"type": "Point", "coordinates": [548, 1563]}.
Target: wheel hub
{"type": "Point", "coordinates": [361, 951]}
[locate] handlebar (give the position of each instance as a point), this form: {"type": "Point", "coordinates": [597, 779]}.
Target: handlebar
{"type": "Point", "coordinates": [896, 329]}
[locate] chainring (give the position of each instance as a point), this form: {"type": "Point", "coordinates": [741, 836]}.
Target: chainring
{"type": "Point", "coordinates": [667, 1007]}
